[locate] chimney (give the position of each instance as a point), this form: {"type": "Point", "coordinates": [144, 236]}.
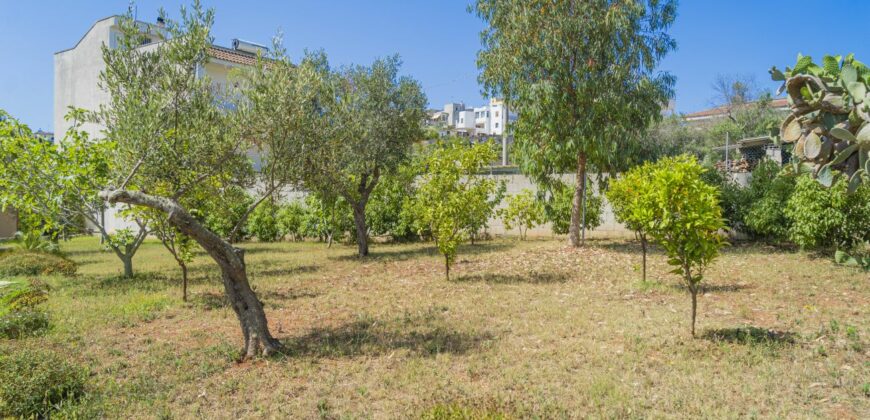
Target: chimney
{"type": "Point", "coordinates": [160, 22]}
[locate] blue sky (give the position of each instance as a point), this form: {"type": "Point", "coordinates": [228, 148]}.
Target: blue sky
{"type": "Point", "coordinates": [438, 40]}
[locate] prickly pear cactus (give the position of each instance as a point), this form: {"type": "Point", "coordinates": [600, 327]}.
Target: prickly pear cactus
{"type": "Point", "coordinates": [830, 119]}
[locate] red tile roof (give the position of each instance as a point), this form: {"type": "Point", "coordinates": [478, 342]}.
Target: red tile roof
{"type": "Point", "coordinates": [723, 110]}
{"type": "Point", "coordinates": [233, 56]}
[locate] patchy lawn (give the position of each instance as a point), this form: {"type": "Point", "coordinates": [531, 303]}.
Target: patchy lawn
{"type": "Point", "coordinates": [525, 329]}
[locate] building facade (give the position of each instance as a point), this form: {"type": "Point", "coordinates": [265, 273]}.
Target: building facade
{"type": "Point", "coordinates": [77, 73]}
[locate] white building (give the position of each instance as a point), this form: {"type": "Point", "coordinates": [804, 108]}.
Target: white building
{"type": "Point", "coordinates": [77, 71]}
{"type": "Point", "coordinates": [488, 121]}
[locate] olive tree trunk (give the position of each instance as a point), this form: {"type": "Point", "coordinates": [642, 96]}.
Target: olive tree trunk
{"type": "Point", "coordinates": [574, 234]}
{"type": "Point", "coordinates": [362, 230]}
{"type": "Point", "coordinates": [231, 260]}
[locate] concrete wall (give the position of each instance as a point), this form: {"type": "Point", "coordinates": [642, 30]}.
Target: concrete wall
{"type": "Point", "coordinates": [8, 224]}
{"type": "Point", "coordinates": [515, 183]}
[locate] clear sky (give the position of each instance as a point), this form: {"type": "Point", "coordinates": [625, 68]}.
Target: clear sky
{"type": "Point", "coordinates": [438, 40]}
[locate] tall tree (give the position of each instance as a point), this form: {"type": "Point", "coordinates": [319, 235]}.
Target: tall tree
{"type": "Point", "coordinates": [581, 75]}
{"type": "Point", "coordinates": [369, 119]}
{"type": "Point", "coordinates": [176, 141]}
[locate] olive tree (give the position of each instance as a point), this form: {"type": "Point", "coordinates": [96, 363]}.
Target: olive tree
{"type": "Point", "coordinates": [176, 141]}
{"type": "Point", "coordinates": [450, 184]}
{"type": "Point", "coordinates": [370, 116]}
{"type": "Point", "coordinates": [581, 74]}
{"type": "Point", "coordinates": [687, 220]}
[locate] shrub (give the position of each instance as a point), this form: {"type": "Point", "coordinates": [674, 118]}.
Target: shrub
{"type": "Point", "coordinates": [34, 241]}
{"type": "Point", "coordinates": [632, 198]}
{"type": "Point", "coordinates": [687, 220]}
{"type": "Point", "coordinates": [327, 218]}
{"type": "Point", "coordinates": [21, 324]}
{"type": "Point", "coordinates": [384, 213]}
{"type": "Point", "coordinates": [733, 199]}
{"type": "Point", "coordinates": [558, 209]}
{"type": "Point", "coordinates": [221, 215]}
{"type": "Point", "coordinates": [33, 383]}
{"type": "Point", "coordinates": [523, 211]}
{"type": "Point", "coordinates": [822, 217]}
{"type": "Point", "coordinates": [290, 221]}
{"type": "Point", "coordinates": [263, 222]}
{"type": "Point", "coordinates": [765, 217]}
{"type": "Point", "coordinates": [30, 263]}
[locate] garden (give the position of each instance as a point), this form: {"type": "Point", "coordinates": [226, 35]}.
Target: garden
{"type": "Point", "coordinates": [302, 245]}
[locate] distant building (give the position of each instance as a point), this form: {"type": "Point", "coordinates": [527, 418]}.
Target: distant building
{"type": "Point", "coordinates": [479, 123]}
{"type": "Point", "coordinates": [77, 71]}
{"type": "Point", "coordinates": [720, 112]}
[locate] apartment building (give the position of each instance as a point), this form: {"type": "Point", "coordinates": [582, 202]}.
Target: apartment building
{"type": "Point", "coordinates": [77, 71]}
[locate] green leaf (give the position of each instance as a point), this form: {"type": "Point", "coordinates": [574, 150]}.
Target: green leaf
{"type": "Point", "coordinates": [849, 74]}
{"type": "Point", "coordinates": [854, 182]}
{"type": "Point", "coordinates": [857, 90]}
{"type": "Point", "coordinates": [832, 65]}
{"type": "Point", "coordinates": [843, 134]}
{"type": "Point", "coordinates": [825, 176]}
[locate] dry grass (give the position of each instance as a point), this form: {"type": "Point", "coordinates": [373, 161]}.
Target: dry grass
{"type": "Point", "coordinates": [526, 329]}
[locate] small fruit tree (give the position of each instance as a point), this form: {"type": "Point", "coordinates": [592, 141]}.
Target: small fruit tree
{"type": "Point", "coordinates": [687, 219]}
{"type": "Point", "coordinates": [523, 211]}
{"type": "Point", "coordinates": [450, 185]}
{"type": "Point", "coordinates": [830, 119]}
{"type": "Point", "coordinates": [632, 200]}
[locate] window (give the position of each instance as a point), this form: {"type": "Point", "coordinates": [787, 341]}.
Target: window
{"type": "Point", "coordinates": [496, 125]}
{"type": "Point", "coordinates": [496, 114]}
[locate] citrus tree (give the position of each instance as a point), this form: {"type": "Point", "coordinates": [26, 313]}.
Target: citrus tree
{"type": "Point", "coordinates": [632, 200]}
{"type": "Point", "coordinates": [523, 211]}
{"type": "Point", "coordinates": [687, 220]}
{"type": "Point", "coordinates": [450, 184]}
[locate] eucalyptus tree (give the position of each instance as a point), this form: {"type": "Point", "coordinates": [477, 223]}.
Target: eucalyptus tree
{"type": "Point", "coordinates": [54, 185]}
{"type": "Point", "coordinates": [581, 74]}
{"type": "Point", "coordinates": [176, 142]}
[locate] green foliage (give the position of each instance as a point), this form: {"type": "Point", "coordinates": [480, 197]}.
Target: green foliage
{"type": "Point", "coordinates": [449, 187]}
{"type": "Point", "coordinates": [828, 217]}
{"type": "Point", "coordinates": [830, 119]}
{"type": "Point", "coordinates": [632, 199]}
{"type": "Point", "coordinates": [327, 218]}
{"type": "Point", "coordinates": [227, 211]}
{"type": "Point", "coordinates": [687, 219]}
{"type": "Point", "coordinates": [561, 202]}
{"type": "Point", "coordinates": [291, 219]}
{"type": "Point", "coordinates": [384, 213]}
{"type": "Point", "coordinates": [263, 222]}
{"type": "Point", "coordinates": [29, 263]}
{"type": "Point", "coordinates": [34, 241]}
{"type": "Point", "coordinates": [770, 190]}
{"type": "Point", "coordinates": [21, 324]}
{"type": "Point", "coordinates": [34, 383]}
{"type": "Point", "coordinates": [523, 212]}
{"type": "Point", "coordinates": [18, 296]}
{"type": "Point", "coordinates": [582, 79]}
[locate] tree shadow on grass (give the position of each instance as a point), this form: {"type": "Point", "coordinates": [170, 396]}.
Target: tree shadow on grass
{"type": "Point", "coordinates": [424, 336]}
{"type": "Point", "coordinates": [498, 278]}
{"type": "Point", "coordinates": [273, 298]}
{"type": "Point", "coordinates": [716, 288]}
{"type": "Point", "coordinates": [277, 271]}
{"type": "Point", "coordinates": [385, 253]}
{"type": "Point", "coordinates": [141, 281]}
{"type": "Point", "coordinates": [750, 336]}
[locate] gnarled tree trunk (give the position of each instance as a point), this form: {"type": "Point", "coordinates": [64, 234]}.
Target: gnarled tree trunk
{"type": "Point", "coordinates": [362, 231]}
{"type": "Point", "coordinates": [577, 203]}
{"type": "Point", "coordinates": [231, 260]}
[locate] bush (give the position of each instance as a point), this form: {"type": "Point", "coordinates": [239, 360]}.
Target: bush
{"type": "Point", "coordinates": [21, 324]}
{"type": "Point", "coordinates": [384, 212]}
{"type": "Point", "coordinates": [290, 221]}
{"type": "Point", "coordinates": [823, 218]}
{"type": "Point", "coordinates": [765, 217]}
{"type": "Point", "coordinates": [558, 209]}
{"type": "Point", "coordinates": [734, 199]}
{"type": "Point", "coordinates": [222, 214]}
{"type": "Point", "coordinates": [523, 211]}
{"type": "Point", "coordinates": [263, 222]}
{"type": "Point", "coordinates": [30, 263]}
{"type": "Point", "coordinates": [33, 383]}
